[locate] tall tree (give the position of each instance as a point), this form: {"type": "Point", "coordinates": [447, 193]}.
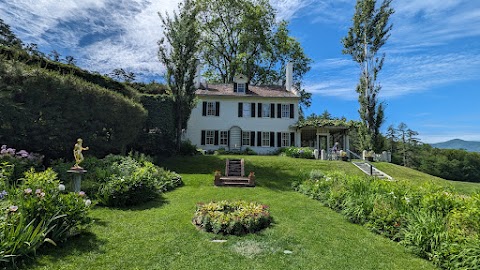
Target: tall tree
{"type": "Point", "coordinates": [368, 34]}
{"type": "Point", "coordinates": [7, 37]}
{"type": "Point", "coordinates": [242, 36]}
{"type": "Point", "coordinates": [178, 52]}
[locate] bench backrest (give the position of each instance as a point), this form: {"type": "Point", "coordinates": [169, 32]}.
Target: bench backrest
{"type": "Point", "coordinates": [235, 167]}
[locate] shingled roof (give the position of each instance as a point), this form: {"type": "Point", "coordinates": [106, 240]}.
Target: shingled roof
{"type": "Point", "coordinates": [253, 91]}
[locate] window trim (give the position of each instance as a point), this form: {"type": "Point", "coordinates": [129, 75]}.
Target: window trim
{"type": "Point", "coordinates": [266, 109]}
{"type": "Point", "coordinates": [242, 86]}
{"type": "Point", "coordinates": [285, 110]}
{"type": "Point", "coordinates": [246, 137]}
{"type": "Point", "coordinates": [286, 137]}
{"type": "Point", "coordinates": [265, 142]}
{"type": "Point", "coordinates": [247, 108]}
{"type": "Point", "coordinates": [207, 137]}
{"type": "Point", "coordinates": [211, 108]}
{"type": "Point", "coordinates": [220, 137]}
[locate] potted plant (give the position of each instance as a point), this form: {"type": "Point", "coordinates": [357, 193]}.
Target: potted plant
{"type": "Point", "coordinates": [343, 155]}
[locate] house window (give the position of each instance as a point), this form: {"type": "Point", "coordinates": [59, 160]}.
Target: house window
{"type": "Point", "coordinates": [241, 88]}
{"type": "Point", "coordinates": [265, 110]}
{"type": "Point", "coordinates": [247, 109]}
{"type": "Point", "coordinates": [285, 110]}
{"type": "Point", "coordinates": [211, 108]}
{"type": "Point", "coordinates": [210, 137]}
{"type": "Point", "coordinates": [285, 139]}
{"type": "Point", "coordinates": [265, 139]}
{"type": "Point", "coordinates": [246, 138]}
{"type": "Point", "coordinates": [223, 137]}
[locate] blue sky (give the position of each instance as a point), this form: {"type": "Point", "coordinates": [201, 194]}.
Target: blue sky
{"type": "Point", "coordinates": [430, 80]}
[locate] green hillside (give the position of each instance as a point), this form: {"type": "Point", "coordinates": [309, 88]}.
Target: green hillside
{"type": "Point", "coordinates": [470, 146]}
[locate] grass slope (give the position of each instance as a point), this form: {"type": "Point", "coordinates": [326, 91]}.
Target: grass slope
{"type": "Point", "coordinates": [404, 173]}
{"type": "Point", "coordinates": [160, 235]}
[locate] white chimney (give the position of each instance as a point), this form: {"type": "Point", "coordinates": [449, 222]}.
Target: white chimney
{"type": "Point", "coordinates": [289, 77]}
{"type": "Point", "coordinates": [198, 75]}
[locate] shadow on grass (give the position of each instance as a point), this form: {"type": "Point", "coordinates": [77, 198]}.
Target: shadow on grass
{"type": "Point", "coordinates": [155, 203]}
{"type": "Point", "coordinates": [79, 245]}
{"type": "Point", "coordinates": [268, 174]}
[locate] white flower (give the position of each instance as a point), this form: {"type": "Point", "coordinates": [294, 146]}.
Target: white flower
{"type": "Point", "coordinates": [88, 203]}
{"type": "Point", "coordinates": [391, 193]}
{"type": "Point", "coordinates": [407, 199]}
{"type": "Point", "coordinates": [61, 187]}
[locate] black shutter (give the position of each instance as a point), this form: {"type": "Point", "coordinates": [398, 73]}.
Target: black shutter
{"type": "Point", "coordinates": [292, 113]}
{"type": "Point", "coordinates": [246, 88]}
{"type": "Point", "coordinates": [217, 106]}
{"type": "Point", "coordinates": [279, 110]}
{"type": "Point", "coordinates": [202, 140]}
{"type": "Point", "coordinates": [240, 109]}
{"type": "Point", "coordinates": [252, 138]}
{"type": "Point", "coordinates": [279, 139]}
{"type": "Point", "coordinates": [234, 87]}
{"type": "Point", "coordinates": [272, 139]}
{"type": "Point", "coordinates": [204, 109]}
{"type": "Point", "coordinates": [259, 138]}
{"type": "Point", "coordinates": [272, 110]}
{"type": "Point", "coordinates": [292, 139]}
{"type": "Point", "coordinates": [259, 110]}
{"type": "Point", "coordinates": [228, 138]}
{"type": "Point", "coordinates": [216, 138]}
{"type": "Point", "coordinates": [253, 110]}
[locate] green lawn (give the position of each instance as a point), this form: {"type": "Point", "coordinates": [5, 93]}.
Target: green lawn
{"type": "Point", "coordinates": [160, 235]}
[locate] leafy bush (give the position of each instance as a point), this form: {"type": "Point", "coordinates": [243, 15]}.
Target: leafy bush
{"type": "Point", "coordinates": [298, 152]}
{"type": "Point", "coordinates": [130, 182]}
{"type": "Point", "coordinates": [188, 149]}
{"type": "Point", "coordinates": [36, 212]}
{"type": "Point", "coordinates": [431, 221]}
{"type": "Point", "coordinates": [235, 218]}
{"type": "Point", "coordinates": [247, 151]}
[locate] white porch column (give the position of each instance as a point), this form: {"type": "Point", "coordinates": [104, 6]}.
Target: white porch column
{"type": "Point", "coordinates": [328, 142]}
{"type": "Point", "coordinates": [318, 140]}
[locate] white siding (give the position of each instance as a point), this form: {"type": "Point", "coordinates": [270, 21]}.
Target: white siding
{"type": "Point", "coordinates": [229, 118]}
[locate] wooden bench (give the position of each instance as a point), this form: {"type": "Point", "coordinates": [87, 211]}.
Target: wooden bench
{"type": "Point", "coordinates": [234, 175]}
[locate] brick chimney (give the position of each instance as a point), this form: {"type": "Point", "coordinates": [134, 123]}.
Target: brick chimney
{"type": "Point", "coordinates": [289, 77]}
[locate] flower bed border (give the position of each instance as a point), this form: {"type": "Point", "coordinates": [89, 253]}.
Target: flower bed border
{"type": "Point", "coordinates": [232, 218]}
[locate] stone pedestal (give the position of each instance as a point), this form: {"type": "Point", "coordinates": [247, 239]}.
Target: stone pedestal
{"type": "Point", "coordinates": [77, 178]}
{"type": "Point", "coordinates": [315, 153]}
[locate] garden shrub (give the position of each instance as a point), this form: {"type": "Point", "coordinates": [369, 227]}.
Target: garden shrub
{"type": "Point", "coordinates": [432, 221]}
{"type": "Point", "coordinates": [37, 211]}
{"type": "Point", "coordinates": [130, 182]}
{"type": "Point", "coordinates": [299, 152]}
{"type": "Point", "coordinates": [236, 218]}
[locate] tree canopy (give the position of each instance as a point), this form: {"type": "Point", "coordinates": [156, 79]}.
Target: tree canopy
{"type": "Point", "coordinates": [243, 36]}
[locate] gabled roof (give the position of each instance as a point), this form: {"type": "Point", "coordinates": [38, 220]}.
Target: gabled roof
{"type": "Point", "coordinates": [253, 91]}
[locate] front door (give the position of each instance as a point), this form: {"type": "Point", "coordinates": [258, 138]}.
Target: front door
{"type": "Point", "coordinates": [235, 142]}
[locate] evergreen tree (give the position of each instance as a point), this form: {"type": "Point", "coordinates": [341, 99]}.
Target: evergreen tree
{"type": "Point", "coordinates": [368, 34]}
{"type": "Point", "coordinates": [178, 52]}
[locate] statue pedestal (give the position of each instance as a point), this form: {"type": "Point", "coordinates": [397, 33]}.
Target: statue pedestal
{"type": "Point", "coordinates": [77, 178]}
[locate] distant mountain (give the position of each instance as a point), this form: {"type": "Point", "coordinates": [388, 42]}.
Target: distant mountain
{"type": "Point", "coordinates": [458, 144]}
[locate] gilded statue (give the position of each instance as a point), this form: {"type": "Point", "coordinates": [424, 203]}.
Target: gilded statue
{"type": "Point", "coordinates": [77, 153]}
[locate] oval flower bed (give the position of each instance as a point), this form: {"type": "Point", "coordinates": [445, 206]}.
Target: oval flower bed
{"type": "Point", "coordinates": [235, 218]}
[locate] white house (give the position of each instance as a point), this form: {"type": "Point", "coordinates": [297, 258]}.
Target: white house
{"type": "Point", "coordinates": [238, 115]}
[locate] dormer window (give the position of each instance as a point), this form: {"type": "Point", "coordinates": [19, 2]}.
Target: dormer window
{"type": "Point", "coordinates": [240, 84]}
{"type": "Point", "coordinates": [241, 87]}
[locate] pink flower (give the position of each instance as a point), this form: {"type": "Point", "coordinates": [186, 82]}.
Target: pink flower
{"type": "Point", "coordinates": [38, 191]}
{"type": "Point", "coordinates": [81, 194]}
{"type": "Point", "coordinates": [28, 191]}
{"type": "Point", "coordinates": [13, 208]}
